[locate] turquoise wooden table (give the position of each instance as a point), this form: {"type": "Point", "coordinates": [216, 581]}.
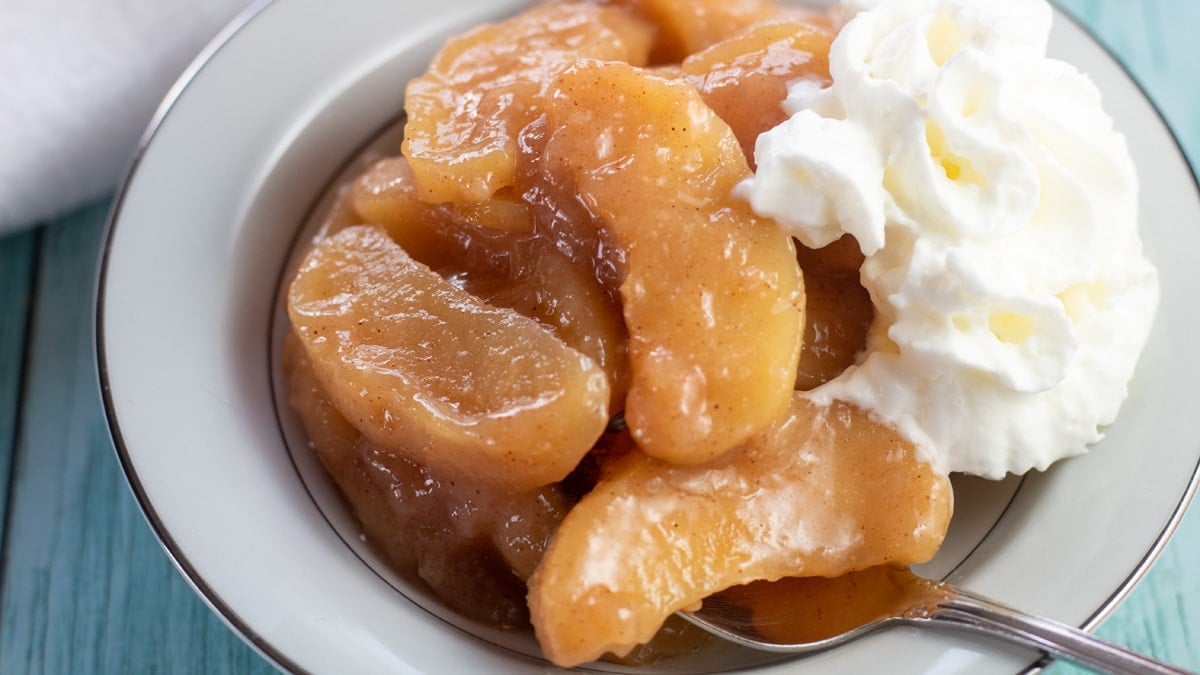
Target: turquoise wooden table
{"type": "Point", "coordinates": [84, 585]}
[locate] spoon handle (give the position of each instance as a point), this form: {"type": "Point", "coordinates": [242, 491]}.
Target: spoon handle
{"type": "Point", "coordinates": [963, 609]}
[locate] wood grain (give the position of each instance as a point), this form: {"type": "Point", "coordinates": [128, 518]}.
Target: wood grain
{"type": "Point", "coordinates": [16, 268]}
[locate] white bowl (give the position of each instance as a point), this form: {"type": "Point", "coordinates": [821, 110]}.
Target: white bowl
{"type": "Point", "coordinates": [187, 322]}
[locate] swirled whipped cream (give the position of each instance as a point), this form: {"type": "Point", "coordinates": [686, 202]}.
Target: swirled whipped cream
{"type": "Point", "coordinates": [997, 209]}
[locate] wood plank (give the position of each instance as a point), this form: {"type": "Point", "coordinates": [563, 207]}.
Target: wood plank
{"type": "Point", "coordinates": [1155, 41]}
{"type": "Point", "coordinates": [87, 589]}
{"type": "Point", "coordinates": [16, 269]}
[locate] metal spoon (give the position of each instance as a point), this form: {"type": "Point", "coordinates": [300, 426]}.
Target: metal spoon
{"type": "Point", "coordinates": [806, 615]}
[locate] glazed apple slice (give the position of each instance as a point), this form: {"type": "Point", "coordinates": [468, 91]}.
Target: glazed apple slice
{"type": "Point", "coordinates": [489, 251]}
{"type": "Point", "coordinates": [421, 366]}
{"type": "Point", "coordinates": [745, 78]}
{"type": "Point", "coordinates": [839, 313]}
{"type": "Point", "coordinates": [712, 295]}
{"type": "Point", "coordinates": [466, 112]}
{"type": "Point", "coordinates": [473, 546]}
{"type": "Point", "coordinates": [822, 492]}
{"type": "Point", "coordinates": [687, 26]}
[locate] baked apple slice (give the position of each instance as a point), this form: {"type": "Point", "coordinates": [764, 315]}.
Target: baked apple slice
{"type": "Point", "coordinates": [466, 112]}
{"type": "Point", "coordinates": [473, 546]}
{"type": "Point", "coordinates": [745, 78]}
{"type": "Point", "coordinates": [712, 295]}
{"type": "Point", "coordinates": [822, 492]}
{"type": "Point", "coordinates": [687, 26]}
{"type": "Point", "coordinates": [489, 251]}
{"type": "Point", "coordinates": [420, 366]}
{"type": "Point", "coordinates": [839, 313]}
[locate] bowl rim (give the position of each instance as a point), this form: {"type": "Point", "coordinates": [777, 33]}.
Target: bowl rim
{"type": "Point", "coordinates": [218, 605]}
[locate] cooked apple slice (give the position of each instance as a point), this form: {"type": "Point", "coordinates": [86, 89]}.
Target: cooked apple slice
{"type": "Point", "coordinates": [745, 78]}
{"type": "Point", "coordinates": [466, 112]}
{"type": "Point", "coordinates": [473, 546]}
{"type": "Point", "coordinates": [712, 295]}
{"type": "Point", "coordinates": [687, 26]}
{"type": "Point", "coordinates": [417, 364]}
{"type": "Point", "coordinates": [822, 492]}
{"type": "Point", "coordinates": [838, 315]}
{"type": "Point", "coordinates": [499, 262]}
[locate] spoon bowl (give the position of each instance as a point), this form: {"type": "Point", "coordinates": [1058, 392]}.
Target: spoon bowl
{"type": "Point", "coordinates": [814, 614]}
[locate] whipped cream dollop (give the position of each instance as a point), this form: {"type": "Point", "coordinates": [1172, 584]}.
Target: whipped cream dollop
{"type": "Point", "coordinates": [997, 209]}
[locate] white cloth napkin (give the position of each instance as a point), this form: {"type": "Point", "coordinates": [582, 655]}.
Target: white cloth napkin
{"type": "Point", "coordinates": [79, 82]}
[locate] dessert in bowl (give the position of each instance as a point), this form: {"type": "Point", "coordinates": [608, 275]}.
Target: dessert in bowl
{"type": "Point", "coordinates": [330, 506]}
{"type": "Point", "coordinates": [574, 233]}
